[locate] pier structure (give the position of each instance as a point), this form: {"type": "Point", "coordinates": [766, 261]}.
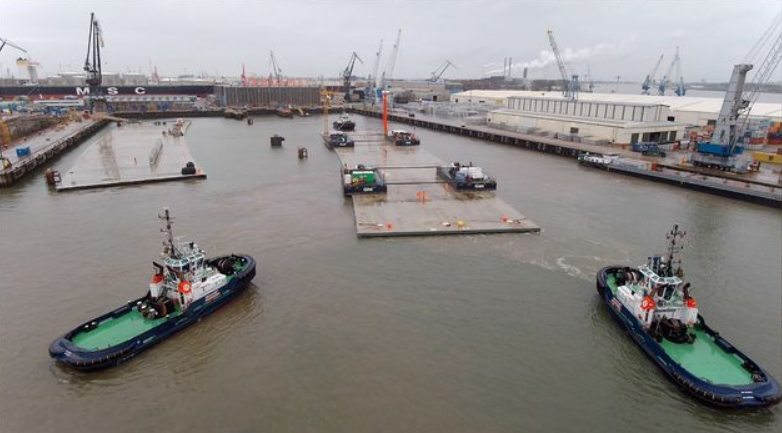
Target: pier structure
{"type": "Point", "coordinates": [418, 203]}
{"type": "Point", "coordinates": [135, 153]}
{"type": "Point", "coordinates": [44, 147]}
{"type": "Point", "coordinates": [764, 192]}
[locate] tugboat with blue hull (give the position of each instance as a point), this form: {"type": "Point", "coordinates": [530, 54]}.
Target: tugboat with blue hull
{"type": "Point", "coordinates": [185, 287]}
{"type": "Point", "coordinates": [658, 310]}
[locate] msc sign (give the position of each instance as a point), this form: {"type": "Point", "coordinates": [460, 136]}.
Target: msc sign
{"type": "Point", "coordinates": [111, 91]}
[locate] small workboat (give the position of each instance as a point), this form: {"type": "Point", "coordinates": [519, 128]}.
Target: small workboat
{"type": "Point", "coordinates": [344, 123]}
{"type": "Point", "coordinates": [657, 309]}
{"type": "Point", "coordinates": [186, 287]}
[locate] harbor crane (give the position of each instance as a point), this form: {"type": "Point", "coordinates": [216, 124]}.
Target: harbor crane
{"type": "Point", "coordinates": [4, 42]}
{"type": "Point", "coordinates": [347, 74]}
{"type": "Point", "coordinates": [389, 72]}
{"type": "Point", "coordinates": [674, 67]}
{"type": "Point", "coordinates": [276, 71]}
{"type": "Point", "coordinates": [438, 73]}
{"type": "Point", "coordinates": [570, 82]}
{"type": "Point", "coordinates": [651, 79]}
{"type": "Point", "coordinates": [372, 82]}
{"type": "Point", "coordinates": [92, 64]}
{"type": "Point", "coordinates": [722, 150]}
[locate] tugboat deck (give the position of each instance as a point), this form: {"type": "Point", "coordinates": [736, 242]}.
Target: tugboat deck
{"type": "Point", "coordinates": [117, 330]}
{"type": "Point", "coordinates": [703, 358]}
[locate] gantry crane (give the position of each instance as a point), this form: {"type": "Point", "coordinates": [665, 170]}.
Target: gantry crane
{"type": "Point", "coordinates": [347, 74]}
{"type": "Point", "coordinates": [651, 79]}
{"type": "Point", "coordinates": [570, 81]}
{"type": "Point", "coordinates": [92, 64]}
{"type": "Point", "coordinates": [438, 73]}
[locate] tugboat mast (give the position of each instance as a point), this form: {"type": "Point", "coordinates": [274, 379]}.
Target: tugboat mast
{"type": "Point", "coordinates": [675, 236]}
{"type": "Point", "coordinates": [170, 246]}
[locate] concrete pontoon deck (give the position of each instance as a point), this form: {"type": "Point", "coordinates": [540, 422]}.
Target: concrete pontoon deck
{"type": "Point", "coordinates": [418, 203]}
{"type": "Point", "coordinates": [122, 157]}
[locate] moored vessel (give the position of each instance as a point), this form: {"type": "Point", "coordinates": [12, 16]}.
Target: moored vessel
{"type": "Point", "coordinates": [657, 309]}
{"type": "Point", "coordinates": [185, 287]}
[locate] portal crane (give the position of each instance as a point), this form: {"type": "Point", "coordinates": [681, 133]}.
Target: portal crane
{"type": "Point", "coordinates": [372, 82]}
{"type": "Point", "coordinates": [347, 74]}
{"type": "Point", "coordinates": [438, 73]}
{"type": "Point", "coordinates": [570, 82]}
{"type": "Point", "coordinates": [722, 150]}
{"type": "Point", "coordinates": [276, 71]}
{"type": "Point", "coordinates": [92, 64]}
{"type": "Point", "coordinates": [389, 72]}
{"type": "Point", "coordinates": [666, 80]}
{"type": "Point", "coordinates": [651, 79]}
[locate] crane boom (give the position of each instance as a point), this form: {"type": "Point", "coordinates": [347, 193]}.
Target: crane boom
{"type": "Point", "coordinates": [373, 77]}
{"type": "Point", "coordinates": [652, 77]}
{"type": "Point", "coordinates": [438, 73]}
{"type": "Point", "coordinates": [663, 86]}
{"type": "Point", "coordinates": [762, 76]}
{"type": "Point", "coordinates": [10, 44]}
{"type": "Point", "coordinates": [570, 83]}
{"type": "Point", "coordinates": [276, 72]}
{"type": "Point", "coordinates": [348, 73]}
{"type": "Point", "coordinates": [389, 72]}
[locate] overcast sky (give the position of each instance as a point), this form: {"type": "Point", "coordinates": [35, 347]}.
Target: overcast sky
{"type": "Point", "coordinates": [316, 37]}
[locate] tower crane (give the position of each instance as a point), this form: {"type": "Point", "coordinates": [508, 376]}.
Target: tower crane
{"type": "Point", "coordinates": [389, 72]}
{"type": "Point", "coordinates": [438, 73]}
{"type": "Point", "coordinates": [92, 64]}
{"type": "Point", "coordinates": [722, 149]}
{"type": "Point", "coordinates": [651, 79]}
{"type": "Point", "coordinates": [276, 72]}
{"type": "Point", "coordinates": [570, 81]}
{"type": "Point", "coordinates": [347, 74]}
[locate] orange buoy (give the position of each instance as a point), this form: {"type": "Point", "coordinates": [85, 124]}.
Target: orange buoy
{"type": "Point", "coordinates": [184, 287]}
{"type": "Point", "coordinates": [647, 304]}
{"type": "Point", "coordinates": [691, 303]}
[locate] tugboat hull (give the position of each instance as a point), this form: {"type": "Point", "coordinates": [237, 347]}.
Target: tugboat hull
{"type": "Point", "coordinates": [66, 352]}
{"type": "Point", "coordinates": [762, 391]}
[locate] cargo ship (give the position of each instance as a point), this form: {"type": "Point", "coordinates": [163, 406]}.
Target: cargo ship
{"type": "Point", "coordinates": [34, 92]}
{"type": "Point", "coordinates": [186, 287]}
{"type": "Point", "coordinates": [657, 309]}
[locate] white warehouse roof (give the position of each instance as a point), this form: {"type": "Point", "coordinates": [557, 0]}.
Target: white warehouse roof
{"type": "Point", "coordinates": [700, 104]}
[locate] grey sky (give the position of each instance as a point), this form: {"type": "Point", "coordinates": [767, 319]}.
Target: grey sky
{"type": "Point", "coordinates": [312, 38]}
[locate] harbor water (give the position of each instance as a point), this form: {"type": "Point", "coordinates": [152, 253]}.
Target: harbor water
{"type": "Point", "coordinates": [486, 333]}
